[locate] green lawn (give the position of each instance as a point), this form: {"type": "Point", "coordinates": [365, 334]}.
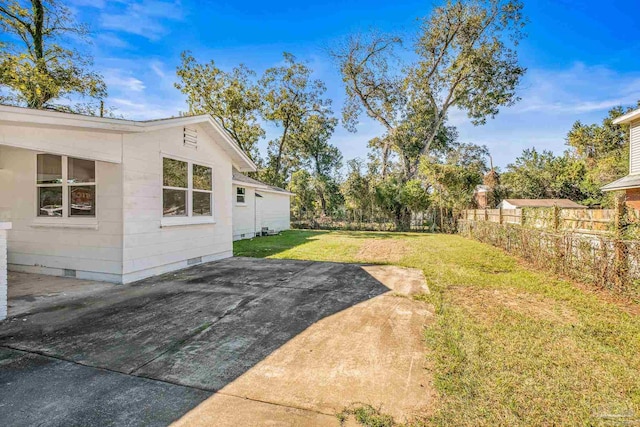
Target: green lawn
{"type": "Point", "coordinates": [510, 346]}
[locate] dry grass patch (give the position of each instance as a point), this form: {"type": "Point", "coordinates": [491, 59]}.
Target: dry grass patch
{"type": "Point", "coordinates": [383, 250]}
{"type": "Point", "coordinates": [488, 305]}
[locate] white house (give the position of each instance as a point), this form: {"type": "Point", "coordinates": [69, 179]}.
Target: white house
{"type": "Point", "coordinates": [630, 184]}
{"type": "Point", "coordinates": [258, 206]}
{"type": "Point", "coordinates": [115, 200]}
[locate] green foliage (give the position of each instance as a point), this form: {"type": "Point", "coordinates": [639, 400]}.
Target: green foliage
{"type": "Point", "coordinates": [302, 204]}
{"type": "Point", "coordinates": [41, 70]}
{"type": "Point", "coordinates": [290, 96]}
{"type": "Point", "coordinates": [536, 175]}
{"type": "Point", "coordinates": [232, 98]}
{"type": "Point", "coordinates": [598, 154]}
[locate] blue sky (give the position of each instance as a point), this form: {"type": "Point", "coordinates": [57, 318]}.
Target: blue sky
{"type": "Point", "coordinates": [583, 57]}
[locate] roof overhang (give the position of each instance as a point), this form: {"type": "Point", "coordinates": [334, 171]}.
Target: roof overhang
{"type": "Point", "coordinates": [45, 118]}
{"type": "Point", "coordinates": [628, 118]}
{"type": "Point", "coordinates": [626, 183]}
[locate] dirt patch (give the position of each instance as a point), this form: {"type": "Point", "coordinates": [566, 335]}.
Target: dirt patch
{"type": "Point", "coordinates": [383, 250]}
{"type": "Point", "coordinates": [486, 305]}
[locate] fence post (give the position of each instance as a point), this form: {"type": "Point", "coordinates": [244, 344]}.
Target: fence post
{"type": "Point", "coordinates": [621, 260]}
{"type": "Point", "coordinates": [475, 214]}
{"type": "Point", "coordinates": [500, 215]}
{"type": "Point", "coordinates": [486, 214]}
{"type": "Point", "coordinates": [556, 218]}
{"type": "Point", "coordinates": [522, 216]}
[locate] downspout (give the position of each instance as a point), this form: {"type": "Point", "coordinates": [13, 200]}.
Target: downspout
{"type": "Point", "coordinates": [255, 209]}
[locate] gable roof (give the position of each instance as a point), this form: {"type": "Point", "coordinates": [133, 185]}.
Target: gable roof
{"type": "Point", "coordinates": [543, 203]}
{"type": "Point", "coordinates": [29, 116]}
{"type": "Point", "coordinates": [241, 179]}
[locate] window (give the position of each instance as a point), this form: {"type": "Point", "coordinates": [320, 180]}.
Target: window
{"type": "Point", "coordinates": [240, 195]}
{"type": "Point", "coordinates": [187, 189]}
{"type": "Point", "coordinates": [66, 186]}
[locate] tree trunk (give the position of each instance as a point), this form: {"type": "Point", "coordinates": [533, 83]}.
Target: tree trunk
{"type": "Point", "coordinates": [403, 219]}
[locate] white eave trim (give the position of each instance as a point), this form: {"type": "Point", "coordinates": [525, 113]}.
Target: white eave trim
{"type": "Point", "coordinates": [33, 117]}
{"type": "Point", "coordinates": [628, 118]}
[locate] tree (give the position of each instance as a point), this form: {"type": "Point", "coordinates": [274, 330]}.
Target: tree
{"type": "Point", "coordinates": [357, 190]}
{"type": "Point", "coordinates": [312, 144]}
{"type": "Point", "coordinates": [468, 61]}
{"type": "Point", "coordinates": [290, 96]}
{"type": "Point", "coordinates": [371, 84]}
{"type": "Point", "coordinates": [230, 97]}
{"type": "Point", "coordinates": [302, 204]}
{"type": "Point", "coordinates": [536, 175]}
{"type": "Point", "coordinates": [38, 69]}
{"type": "Point", "coordinates": [453, 177]}
{"type": "Point", "coordinates": [604, 151]}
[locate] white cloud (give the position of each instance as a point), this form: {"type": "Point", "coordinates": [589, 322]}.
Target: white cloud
{"type": "Point", "coordinates": [146, 18]}
{"type": "Point", "coordinates": [116, 79]}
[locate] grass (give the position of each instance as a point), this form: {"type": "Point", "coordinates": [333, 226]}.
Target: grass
{"type": "Point", "coordinates": [510, 345]}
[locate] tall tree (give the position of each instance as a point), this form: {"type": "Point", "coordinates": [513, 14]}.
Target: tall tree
{"type": "Point", "coordinates": [231, 97]}
{"type": "Point", "coordinates": [372, 84]}
{"type": "Point", "coordinates": [35, 66]}
{"type": "Point", "coordinates": [467, 60]}
{"type": "Point", "coordinates": [311, 144]}
{"type": "Point", "coordinates": [290, 95]}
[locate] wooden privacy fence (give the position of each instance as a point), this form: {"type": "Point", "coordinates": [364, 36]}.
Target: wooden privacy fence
{"type": "Point", "coordinates": [587, 221]}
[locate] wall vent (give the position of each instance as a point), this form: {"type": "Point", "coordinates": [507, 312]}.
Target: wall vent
{"type": "Point", "coordinates": [190, 137]}
{"type": "Point", "coordinates": [193, 261]}
{"type": "Point", "coordinates": [69, 272]}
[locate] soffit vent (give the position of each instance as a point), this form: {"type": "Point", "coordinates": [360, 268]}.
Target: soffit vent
{"type": "Point", "coordinates": [191, 137]}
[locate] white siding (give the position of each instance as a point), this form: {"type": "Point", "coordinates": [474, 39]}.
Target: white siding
{"type": "Point", "coordinates": [88, 144]}
{"type": "Point", "coordinates": [634, 157]}
{"type": "Point", "coordinates": [274, 211]}
{"type": "Point", "coordinates": [94, 252]}
{"type": "Point", "coordinates": [150, 248]}
{"type": "Point", "coordinates": [3, 270]}
{"type": "Point", "coordinates": [244, 216]}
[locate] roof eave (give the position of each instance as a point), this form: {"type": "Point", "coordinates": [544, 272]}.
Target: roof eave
{"type": "Point", "coordinates": [628, 118]}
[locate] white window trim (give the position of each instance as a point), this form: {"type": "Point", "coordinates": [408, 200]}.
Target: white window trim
{"type": "Point", "coordinates": [245, 196]}
{"type": "Point", "coordinates": [189, 219]}
{"type": "Point", "coordinates": [65, 221]}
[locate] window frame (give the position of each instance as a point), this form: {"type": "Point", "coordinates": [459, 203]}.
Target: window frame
{"type": "Point", "coordinates": [66, 187]}
{"type": "Point", "coordinates": [244, 195]}
{"type": "Point", "coordinates": [189, 218]}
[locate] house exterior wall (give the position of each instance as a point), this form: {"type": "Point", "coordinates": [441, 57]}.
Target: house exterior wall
{"type": "Point", "coordinates": [4, 227]}
{"type": "Point", "coordinates": [244, 215]}
{"type": "Point", "coordinates": [274, 211]}
{"type": "Point", "coordinates": [106, 146]}
{"type": "Point", "coordinates": [634, 147]}
{"type": "Point", "coordinates": [633, 198]}
{"type": "Point", "coordinates": [149, 247]}
{"type": "Point", "coordinates": [88, 248]}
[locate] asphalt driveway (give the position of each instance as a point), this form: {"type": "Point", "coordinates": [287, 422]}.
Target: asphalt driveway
{"type": "Point", "coordinates": [147, 353]}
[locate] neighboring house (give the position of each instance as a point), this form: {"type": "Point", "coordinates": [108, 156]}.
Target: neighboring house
{"type": "Point", "coordinates": [539, 203]}
{"type": "Point", "coordinates": [630, 184]}
{"type": "Point", "coordinates": [115, 200]}
{"type": "Point", "coordinates": [258, 206]}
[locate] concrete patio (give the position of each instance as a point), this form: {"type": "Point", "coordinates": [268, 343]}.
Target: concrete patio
{"type": "Point", "coordinates": [235, 342]}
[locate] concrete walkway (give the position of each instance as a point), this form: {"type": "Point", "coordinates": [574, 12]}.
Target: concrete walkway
{"type": "Point", "coordinates": [235, 342]}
